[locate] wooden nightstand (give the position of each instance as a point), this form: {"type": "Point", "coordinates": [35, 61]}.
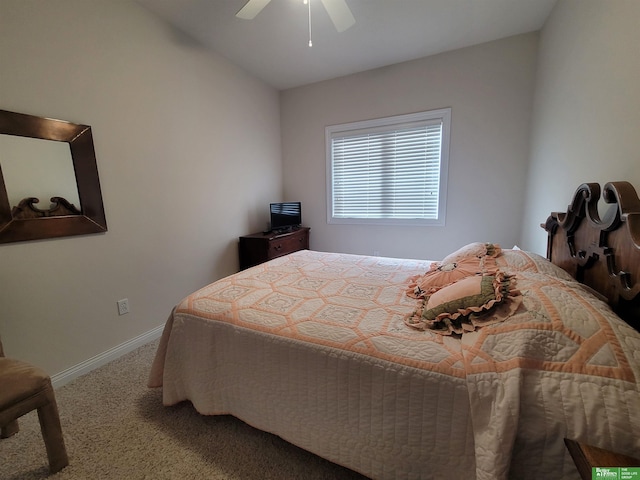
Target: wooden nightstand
{"type": "Point", "coordinates": [260, 247]}
{"type": "Point", "coordinates": [587, 456]}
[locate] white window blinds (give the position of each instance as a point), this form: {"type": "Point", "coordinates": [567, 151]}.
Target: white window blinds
{"type": "Point", "coordinates": [389, 170]}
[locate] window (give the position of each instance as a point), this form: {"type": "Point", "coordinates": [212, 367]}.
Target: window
{"type": "Point", "coordinates": [389, 171]}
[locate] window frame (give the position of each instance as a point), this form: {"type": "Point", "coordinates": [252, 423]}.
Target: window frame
{"type": "Point", "coordinates": [442, 115]}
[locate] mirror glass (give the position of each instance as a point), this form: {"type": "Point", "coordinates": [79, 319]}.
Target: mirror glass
{"type": "Point", "coordinates": [41, 158]}
{"type": "Point", "coordinates": [37, 168]}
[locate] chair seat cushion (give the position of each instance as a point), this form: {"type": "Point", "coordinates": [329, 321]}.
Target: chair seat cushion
{"type": "Point", "coordinates": [19, 380]}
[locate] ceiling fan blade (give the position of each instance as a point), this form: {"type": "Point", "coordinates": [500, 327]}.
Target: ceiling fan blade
{"type": "Point", "coordinates": [251, 9]}
{"type": "Point", "coordinates": [340, 14]}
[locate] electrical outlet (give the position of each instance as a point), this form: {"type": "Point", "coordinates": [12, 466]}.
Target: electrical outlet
{"type": "Point", "coordinates": [376, 253]}
{"type": "Point", "coordinates": [123, 306]}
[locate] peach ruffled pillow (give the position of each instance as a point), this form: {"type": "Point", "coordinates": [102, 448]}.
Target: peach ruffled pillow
{"type": "Point", "coordinates": [443, 274]}
{"type": "Point", "coordinates": [473, 250]}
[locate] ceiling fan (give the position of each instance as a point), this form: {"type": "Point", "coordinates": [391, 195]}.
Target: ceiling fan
{"type": "Point", "coordinates": [338, 11]}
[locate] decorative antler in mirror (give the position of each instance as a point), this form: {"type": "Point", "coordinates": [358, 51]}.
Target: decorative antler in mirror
{"type": "Point", "coordinates": [25, 221]}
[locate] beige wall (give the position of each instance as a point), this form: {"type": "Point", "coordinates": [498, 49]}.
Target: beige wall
{"type": "Point", "coordinates": [188, 151]}
{"type": "Point", "coordinates": [586, 125]}
{"type": "Point", "coordinates": [489, 88]}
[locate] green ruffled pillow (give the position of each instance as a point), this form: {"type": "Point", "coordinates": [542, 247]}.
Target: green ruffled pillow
{"type": "Point", "coordinates": [442, 275]}
{"type": "Point", "coordinates": [453, 309]}
{"type": "Point", "coordinates": [471, 294]}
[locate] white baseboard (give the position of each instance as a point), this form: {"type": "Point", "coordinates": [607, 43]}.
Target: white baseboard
{"type": "Point", "coordinates": [64, 377]}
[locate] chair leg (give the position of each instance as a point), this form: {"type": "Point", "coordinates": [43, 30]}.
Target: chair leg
{"type": "Point", "coordinates": [9, 429]}
{"type": "Point", "coordinates": [52, 434]}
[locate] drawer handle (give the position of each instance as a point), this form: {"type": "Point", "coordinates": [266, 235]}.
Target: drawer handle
{"type": "Point", "coordinates": [278, 247]}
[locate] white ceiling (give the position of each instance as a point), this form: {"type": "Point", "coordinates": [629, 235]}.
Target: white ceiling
{"type": "Point", "coordinates": [273, 46]}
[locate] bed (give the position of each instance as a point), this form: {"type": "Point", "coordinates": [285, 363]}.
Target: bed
{"type": "Point", "coordinates": [345, 355]}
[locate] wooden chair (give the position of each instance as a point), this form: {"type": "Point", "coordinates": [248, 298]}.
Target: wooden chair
{"type": "Point", "coordinates": [24, 388]}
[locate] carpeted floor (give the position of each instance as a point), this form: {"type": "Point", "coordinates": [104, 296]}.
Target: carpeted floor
{"type": "Point", "coordinates": [116, 428]}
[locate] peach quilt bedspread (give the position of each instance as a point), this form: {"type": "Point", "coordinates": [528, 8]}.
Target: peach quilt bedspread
{"type": "Point", "coordinates": [313, 347]}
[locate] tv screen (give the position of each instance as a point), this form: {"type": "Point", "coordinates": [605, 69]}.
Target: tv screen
{"type": "Point", "coordinates": [285, 215]}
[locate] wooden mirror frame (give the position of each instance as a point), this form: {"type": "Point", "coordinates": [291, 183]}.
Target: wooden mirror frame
{"type": "Point", "coordinates": [91, 218]}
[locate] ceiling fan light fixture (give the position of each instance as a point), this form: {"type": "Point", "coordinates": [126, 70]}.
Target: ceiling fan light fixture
{"type": "Point", "coordinates": [338, 11]}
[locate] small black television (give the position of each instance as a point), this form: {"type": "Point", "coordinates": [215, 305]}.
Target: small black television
{"type": "Point", "coordinates": [285, 215]}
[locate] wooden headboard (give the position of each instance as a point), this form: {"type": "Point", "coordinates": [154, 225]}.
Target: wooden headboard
{"type": "Point", "coordinates": [603, 253]}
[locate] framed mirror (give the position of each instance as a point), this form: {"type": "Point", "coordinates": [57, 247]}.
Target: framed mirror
{"type": "Point", "coordinates": [36, 165]}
